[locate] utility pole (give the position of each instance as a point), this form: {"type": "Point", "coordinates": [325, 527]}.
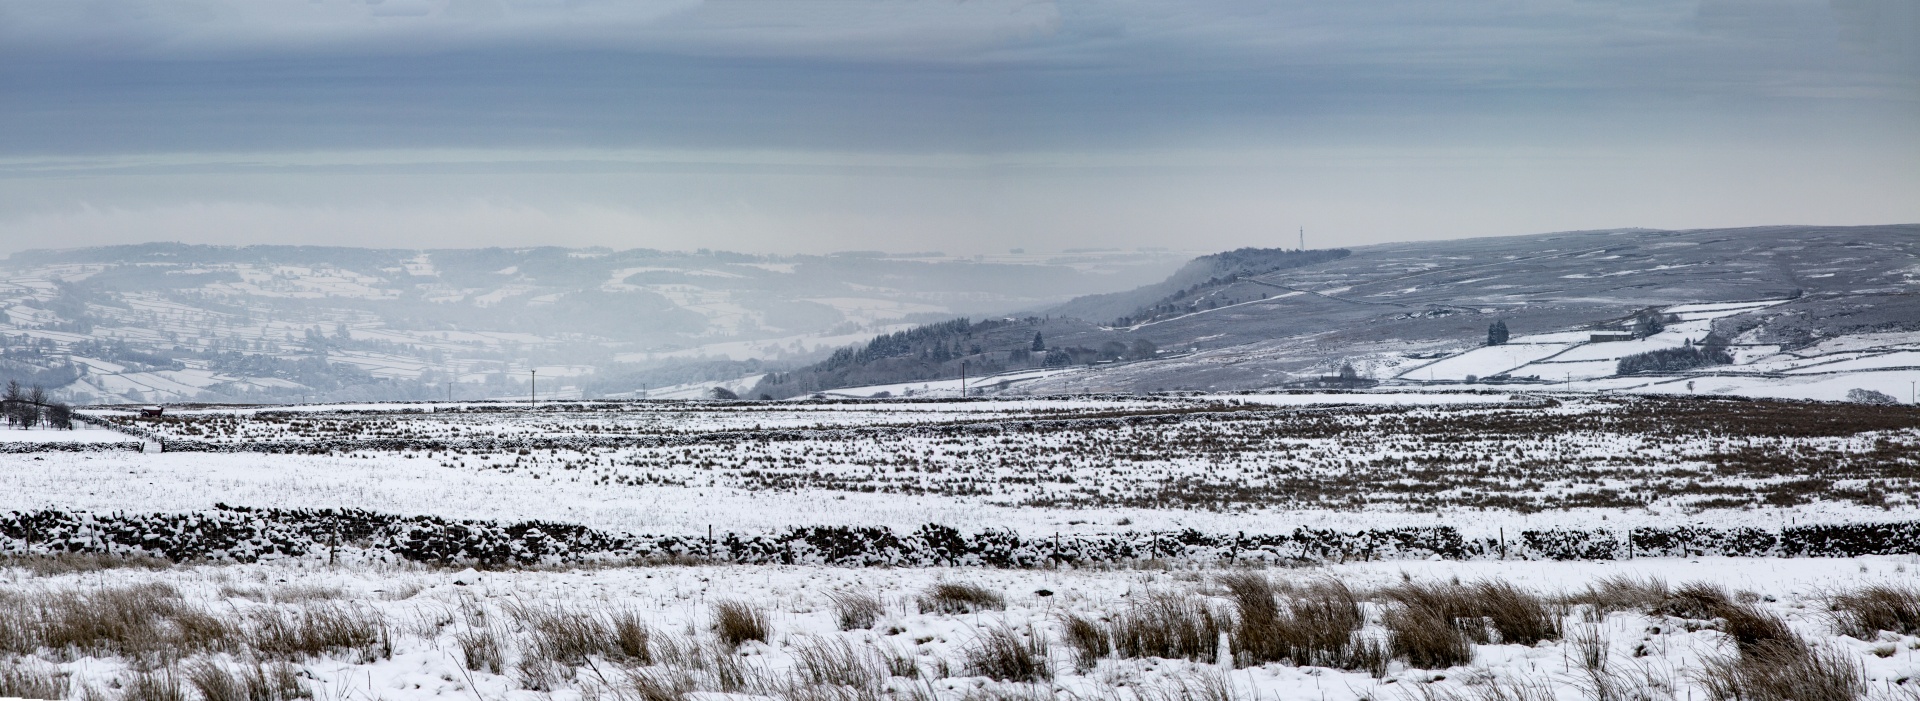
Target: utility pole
{"type": "Point", "coordinates": [449, 390]}
{"type": "Point", "coordinates": [1303, 238]}
{"type": "Point", "coordinates": [533, 387]}
{"type": "Point", "coordinates": [963, 378]}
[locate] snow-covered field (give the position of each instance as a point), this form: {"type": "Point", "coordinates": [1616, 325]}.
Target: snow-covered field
{"type": "Point", "coordinates": [1256, 463]}
{"type": "Point", "coordinates": [1259, 463]}
{"type": "Point", "coordinates": [407, 633]}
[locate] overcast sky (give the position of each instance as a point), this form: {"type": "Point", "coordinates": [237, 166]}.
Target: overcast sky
{"type": "Point", "coordinates": [964, 126]}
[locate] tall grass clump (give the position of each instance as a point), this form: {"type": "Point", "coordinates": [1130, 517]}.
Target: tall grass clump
{"type": "Point", "coordinates": [1002, 654]}
{"type": "Point", "coordinates": [835, 663]}
{"type": "Point", "coordinates": [1621, 593]}
{"type": "Point", "coordinates": [159, 685]}
{"type": "Point", "coordinates": [960, 597]}
{"type": "Point", "coordinates": [736, 622]}
{"type": "Point", "coordinates": [656, 684]}
{"type": "Point", "coordinates": [569, 637]}
{"type": "Point", "coordinates": [481, 649]}
{"type": "Point", "coordinates": [1170, 626]}
{"type": "Point", "coordinates": [1437, 623]}
{"type": "Point", "coordinates": [256, 682]}
{"type": "Point", "coordinates": [1518, 617]}
{"type": "Point", "coordinates": [1425, 639]}
{"type": "Point", "coordinates": [1783, 672]}
{"type": "Point", "coordinates": [144, 621]}
{"type": "Point", "coordinates": [1087, 639]}
{"type": "Point", "coordinates": [21, 681]}
{"type": "Point", "coordinates": [856, 610]}
{"type": "Point", "coordinates": [1317, 626]}
{"type": "Point", "coordinates": [294, 633]}
{"type": "Point", "coordinates": [1696, 600]}
{"type": "Point", "coordinates": [1865, 612]}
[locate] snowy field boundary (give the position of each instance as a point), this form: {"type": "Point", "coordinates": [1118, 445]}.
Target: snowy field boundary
{"type": "Point", "coordinates": [242, 534]}
{"type": "Point", "coordinates": [1115, 419]}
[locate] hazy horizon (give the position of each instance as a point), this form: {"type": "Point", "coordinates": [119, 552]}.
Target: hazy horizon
{"type": "Point", "coordinates": [968, 128]}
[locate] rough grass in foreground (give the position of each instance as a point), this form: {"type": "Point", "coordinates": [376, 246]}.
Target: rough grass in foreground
{"type": "Point", "coordinates": [961, 597]}
{"type": "Point", "coordinates": [1864, 614]}
{"type": "Point", "coordinates": [1003, 654]}
{"type": "Point", "coordinates": [737, 622]}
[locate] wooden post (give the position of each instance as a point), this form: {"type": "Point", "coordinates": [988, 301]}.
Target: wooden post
{"type": "Point", "coordinates": [1503, 542]}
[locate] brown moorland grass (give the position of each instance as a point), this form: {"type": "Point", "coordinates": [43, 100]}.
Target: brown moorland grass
{"type": "Point", "coordinates": [736, 622]}
{"type": "Point", "coordinates": [1003, 654]}
{"type": "Point", "coordinates": [1086, 638]}
{"type": "Point", "coordinates": [1866, 612]}
{"type": "Point", "coordinates": [1318, 626]}
{"type": "Point", "coordinates": [960, 597]}
{"type": "Point", "coordinates": [570, 636]}
{"type": "Point", "coordinates": [856, 610]}
{"type": "Point", "coordinates": [257, 682]}
{"type": "Point", "coordinates": [27, 681]}
{"type": "Point", "coordinates": [1168, 625]}
{"type": "Point", "coordinates": [145, 622]}
{"type": "Point", "coordinates": [295, 633]}
{"type": "Point", "coordinates": [1778, 671]}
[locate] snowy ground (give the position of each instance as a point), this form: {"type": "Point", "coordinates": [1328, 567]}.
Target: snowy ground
{"type": "Point", "coordinates": [80, 433]}
{"type": "Point", "coordinates": [437, 629]}
{"type": "Point", "coordinates": [1259, 463]}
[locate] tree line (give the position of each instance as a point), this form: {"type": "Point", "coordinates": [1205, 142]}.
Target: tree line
{"type": "Point", "coordinates": [27, 407]}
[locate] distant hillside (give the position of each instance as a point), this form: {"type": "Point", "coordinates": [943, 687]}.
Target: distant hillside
{"type": "Point", "coordinates": [1263, 318]}
{"type": "Point", "coordinates": [1073, 334]}
{"type": "Point", "coordinates": [166, 322]}
{"type": "Point", "coordinates": [1172, 295]}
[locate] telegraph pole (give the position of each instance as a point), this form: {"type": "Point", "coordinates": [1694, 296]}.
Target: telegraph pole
{"type": "Point", "coordinates": [533, 387]}
{"type": "Point", "coordinates": [1303, 238]}
{"type": "Point", "coordinates": [963, 378]}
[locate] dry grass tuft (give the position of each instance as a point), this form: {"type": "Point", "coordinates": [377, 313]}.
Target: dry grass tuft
{"type": "Point", "coordinates": [1169, 626]}
{"type": "Point", "coordinates": [1783, 672]}
{"type": "Point", "coordinates": [1518, 617]}
{"type": "Point", "coordinates": [481, 650]}
{"type": "Point", "coordinates": [1753, 628]}
{"type": "Point", "coordinates": [21, 681]}
{"type": "Point", "coordinates": [737, 622]}
{"type": "Point", "coordinates": [154, 686]}
{"type": "Point", "coordinates": [295, 633]}
{"type": "Point", "coordinates": [1866, 612]}
{"type": "Point", "coordinates": [294, 594]}
{"type": "Point", "coordinates": [270, 682]}
{"type": "Point", "coordinates": [1425, 639]}
{"type": "Point", "coordinates": [1087, 639]}
{"type": "Point", "coordinates": [1437, 623]}
{"type": "Point", "coordinates": [1623, 593]}
{"type": "Point", "coordinates": [1317, 627]}
{"type": "Point", "coordinates": [143, 622]}
{"type": "Point", "coordinates": [570, 637]}
{"type": "Point", "coordinates": [857, 611]}
{"type": "Point", "coordinates": [836, 663]}
{"type": "Point", "coordinates": [1194, 687]}
{"type": "Point", "coordinates": [961, 597]}
{"type": "Point", "coordinates": [659, 685]}
{"type": "Point", "coordinates": [1002, 654]}
{"type": "Point", "coordinates": [1696, 600]}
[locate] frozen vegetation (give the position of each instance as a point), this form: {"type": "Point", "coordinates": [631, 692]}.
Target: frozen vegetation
{"type": "Point", "coordinates": [1715, 629]}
